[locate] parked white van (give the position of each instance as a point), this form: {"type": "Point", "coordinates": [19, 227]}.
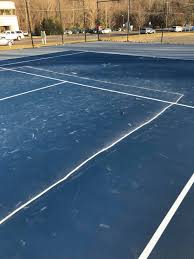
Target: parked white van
{"type": "Point", "coordinates": [177, 28]}
{"type": "Point", "coordinates": [12, 35]}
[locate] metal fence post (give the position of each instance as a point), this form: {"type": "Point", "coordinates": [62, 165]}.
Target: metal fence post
{"type": "Point", "coordinates": [29, 22]}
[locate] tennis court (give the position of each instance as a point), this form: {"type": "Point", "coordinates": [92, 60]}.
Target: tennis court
{"type": "Point", "coordinates": [96, 157]}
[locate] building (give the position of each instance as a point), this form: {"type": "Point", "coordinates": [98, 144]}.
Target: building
{"type": "Point", "coordinates": [8, 18]}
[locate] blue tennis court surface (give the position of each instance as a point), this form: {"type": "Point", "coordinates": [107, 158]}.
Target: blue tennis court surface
{"type": "Point", "coordinates": [96, 157]}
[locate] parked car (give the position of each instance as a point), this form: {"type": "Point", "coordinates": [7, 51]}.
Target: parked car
{"type": "Point", "coordinates": [147, 30]}
{"type": "Point", "coordinates": [92, 31]}
{"type": "Point", "coordinates": [20, 35]}
{"type": "Point", "coordinates": [68, 32]}
{"type": "Point", "coordinates": [106, 30]}
{"type": "Point", "coordinates": [86, 30]}
{"type": "Point", "coordinates": [177, 29]}
{"type": "Point", "coordinates": [11, 35]}
{"type": "Point", "coordinates": [5, 42]}
{"type": "Point", "coordinates": [76, 31]}
{"type": "Point", "coordinates": [25, 33]}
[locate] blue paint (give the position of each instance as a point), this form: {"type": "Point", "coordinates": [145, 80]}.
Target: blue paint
{"type": "Point", "coordinates": [112, 206]}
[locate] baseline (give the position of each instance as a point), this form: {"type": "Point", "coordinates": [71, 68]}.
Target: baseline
{"type": "Point", "coordinates": [137, 55]}
{"type": "Point", "coordinates": [44, 58]}
{"type": "Point", "coordinates": [31, 74]}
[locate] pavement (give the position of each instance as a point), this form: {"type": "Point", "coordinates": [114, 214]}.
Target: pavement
{"type": "Point", "coordinates": [183, 52]}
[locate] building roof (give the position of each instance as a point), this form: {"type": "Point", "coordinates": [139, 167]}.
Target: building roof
{"type": "Point", "coordinates": [7, 5]}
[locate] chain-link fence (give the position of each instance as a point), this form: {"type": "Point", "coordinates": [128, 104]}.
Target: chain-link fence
{"type": "Point", "coordinates": [53, 22]}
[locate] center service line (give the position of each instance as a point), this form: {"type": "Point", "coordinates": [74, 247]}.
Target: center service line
{"type": "Point", "coordinates": [31, 91]}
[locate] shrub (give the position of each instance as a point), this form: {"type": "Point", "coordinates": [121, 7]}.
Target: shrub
{"type": "Point", "coordinates": [50, 26]}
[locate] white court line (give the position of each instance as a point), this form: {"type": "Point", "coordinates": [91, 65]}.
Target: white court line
{"type": "Point", "coordinates": [102, 81]}
{"type": "Point", "coordinates": [185, 105]}
{"type": "Point", "coordinates": [92, 87]}
{"type": "Point", "coordinates": [31, 74]}
{"type": "Point", "coordinates": [107, 90]}
{"type": "Point", "coordinates": [163, 225]}
{"type": "Point", "coordinates": [38, 59]}
{"type": "Point", "coordinates": [138, 54]}
{"type": "Point", "coordinates": [135, 95]}
{"type": "Point", "coordinates": [1, 70]}
{"type": "Point", "coordinates": [10, 215]}
{"type": "Point", "coordinates": [31, 91]}
{"type": "Point", "coordinates": [122, 93]}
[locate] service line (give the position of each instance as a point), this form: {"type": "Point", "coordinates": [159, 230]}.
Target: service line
{"type": "Point", "coordinates": [128, 94]}
{"type": "Point", "coordinates": [102, 81]}
{"type": "Point", "coordinates": [124, 93]}
{"type": "Point", "coordinates": [102, 89]}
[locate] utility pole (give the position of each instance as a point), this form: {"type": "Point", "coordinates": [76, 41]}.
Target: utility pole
{"type": "Point", "coordinates": [73, 14]}
{"type": "Point", "coordinates": [106, 16]}
{"type": "Point", "coordinates": [128, 17]}
{"type": "Point", "coordinates": [97, 19]}
{"type": "Point", "coordinates": [84, 10]}
{"type": "Point", "coordinates": [26, 21]}
{"type": "Point", "coordinates": [61, 21]}
{"type": "Point", "coordinates": [29, 22]}
{"type": "Point", "coordinates": [167, 12]}
{"type": "Point", "coordinates": [164, 10]}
